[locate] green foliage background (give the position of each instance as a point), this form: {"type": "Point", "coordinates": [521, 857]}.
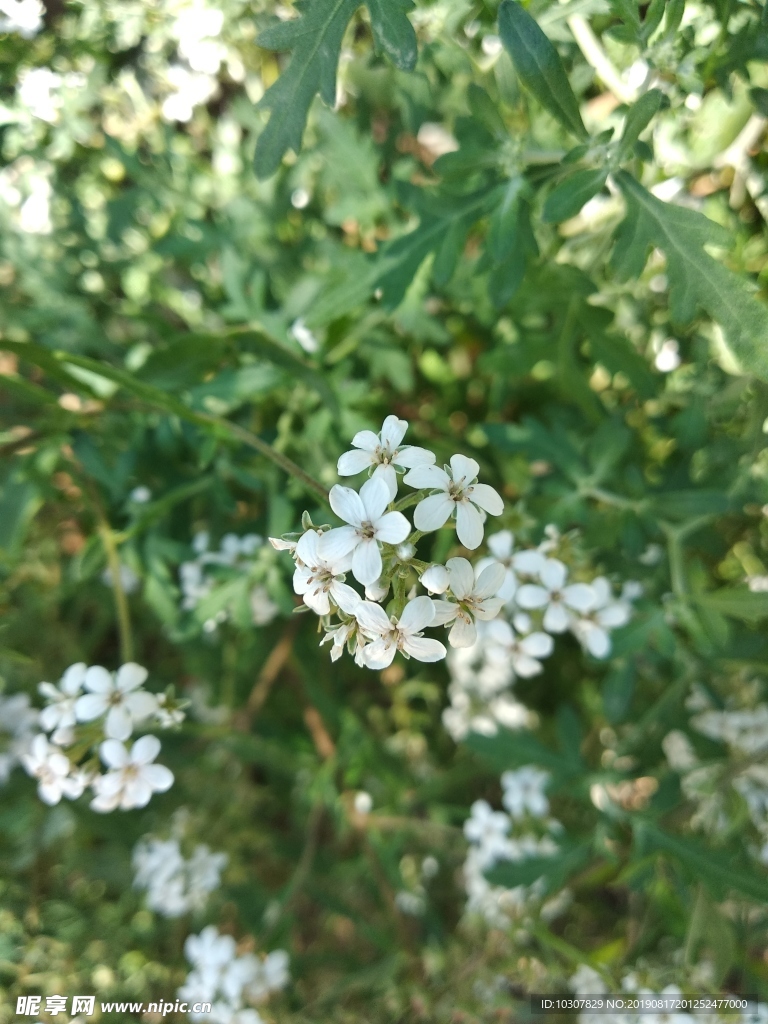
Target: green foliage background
{"type": "Point", "coordinates": [149, 338]}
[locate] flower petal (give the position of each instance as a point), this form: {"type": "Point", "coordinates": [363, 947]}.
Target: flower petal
{"type": "Point", "coordinates": [73, 678]}
{"type": "Point", "coordinates": [345, 597]}
{"type": "Point", "coordinates": [489, 608]}
{"type": "Point", "coordinates": [417, 615]}
{"type": "Point", "coordinates": [119, 724]}
{"type": "Point", "coordinates": [463, 469]}
{"type": "Point", "coordinates": [347, 504]}
{"type": "Point", "coordinates": [553, 574]}
{"type": "Point", "coordinates": [463, 632]}
{"type": "Point", "coordinates": [537, 645]}
{"type": "Point", "coordinates": [501, 544]}
{"type": "Point", "coordinates": [98, 680]}
{"type": "Point", "coordinates": [556, 618]}
{"type": "Point", "coordinates": [445, 611]}
{"type": "Point", "coordinates": [141, 705]}
{"type": "Point", "coordinates": [113, 754]}
{"type": "Point", "coordinates": [392, 528]}
{"type": "Point", "coordinates": [487, 498]}
{"type": "Point", "coordinates": [351, 463]}
{"type": "Point", "coordinates": [317, 599]}
{"type": "Point", "coordinates": [387, 473]}
{"type": "Point", "coordinates": [379, 654]}
{"type": "Point", "coordinates": [530, 563]}
{"type": "Point", "coordinates": [530, 595]}
{"type": "Point", "coordinates": [432, 512]}
{"type": "Point", "coordinates": [462, 577]}
{"type": "Point", "coordinates": [366, 439]}
{"type": "Point", "coordinates": [579, 596]}
{"type": "Point", "coordinates": [90, 706]}
{"type": "Point", "coordinates": [335, 544]}
{"type": "Point", "coordinates": [413, 456]}
{"type": "Point", "coordinates": [307, 547]}
{"type": "Point", "coordinates": [424, 648]}
{"type": "Point", "coordinates": [366, 562]}
{"type": "Point", "coordinates": [614, 615]}
{"type": "Point", "coordinates": [374, 495]}
{"type": "Point", "coordinates": [130, 676]}
{"type": "Point", "coordinates": [490, 580]}
{"type": "Point", "coordinates": [393, 431]}
{"type": "Point", "coordinates": [469, 525]}
{"type": "Point", "coordinates": [145, 750]}
{"type": "Point", "coordinates": [373, 618]}
{"type": "Point", "coordinates": [158, 776]}
{"type": "Point", "coordinates": [428, 476]}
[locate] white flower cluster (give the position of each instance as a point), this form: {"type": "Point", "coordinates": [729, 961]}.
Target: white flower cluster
{"type": "Point", "coordinates": [495, 836]}
{"type": "Point", "coordinates": [377, 547]}
{"type": "Point", "coordinates": [706, 784]}
{"type": "Point", "coordinates": [175, 885]}
{"type": "Point", "coordinates": [234, 984]}
{"type": "Point", "coordinates": [234, 553]}
{"type": "Point", "coordinates": [538, 601]}
{"type": "Point", "coordinates": [92, 709]}
{"type": "Point", "coordinates": [18, 724]}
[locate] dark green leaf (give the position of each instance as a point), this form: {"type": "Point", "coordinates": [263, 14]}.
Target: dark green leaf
{"type": "Point", "coordinates": [696, 279]}
{"type": "Point", "coordinates": [688, 504]}
{"type": "Point", "coordinates": [315, 40]}
{"type": "Point", "coordinates": [538, 65]}
{"type": "Point", "coordinates": [567, 199]}
{"type": "Point", "coordinates": [555, 870]}
{"type": "Point", "coordinates": [738, 603]}
{"type": "Point", "coordinates": [393, 33]}
{"type": "Point", "coordinates": [638, 118]}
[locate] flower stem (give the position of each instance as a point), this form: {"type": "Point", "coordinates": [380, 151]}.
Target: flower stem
{"type": "Point", "coordinates": [121, 602]}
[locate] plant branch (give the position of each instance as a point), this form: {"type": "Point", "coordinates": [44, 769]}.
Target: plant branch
{"type": "Point", "coordinates": [598, 59]}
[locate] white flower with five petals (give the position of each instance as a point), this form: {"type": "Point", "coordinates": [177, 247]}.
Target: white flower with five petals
{"type": "Point", "coordinates": [51, 767]}
{"type": "Point", "coordinates": [60, 710]}
{"type": "Point", "coordinates": [132, 777]}
{"type": "Point", "coordinates": [521, 652]}
{"type": "Point", "coordinates": [457, 492]}
{"type": "Point", "coordinates": [320, 581]}
{"type": "Point", "coordinates": [593, 628]}
{"type": "Point", "coordinates": [117, 696]}
{"type": "Point", "coordinates": [475, 593]}
{"type": "Point", "coordinates": [369, 525]}
{"type": "Point", "coordinates": [403, 634]}
{"type": "Point", "coordinates": [384, 451]}
{"type": "Point", "coordinates": [556, 597]}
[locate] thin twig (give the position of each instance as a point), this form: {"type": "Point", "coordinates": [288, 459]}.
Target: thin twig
{"type": "Point", "coordinates": [597, 58]}
{"type": "Point", "coordinates": [270, 671]}
{"type": "Point", "coordinates": [313, 720]}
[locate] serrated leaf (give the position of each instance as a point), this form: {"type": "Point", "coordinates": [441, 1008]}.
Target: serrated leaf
{"type": "Point", "coordinates": [638, 118]}
{"type": "Point", "coordinates": [393, 32]}
{"type": "Point", "coordinates": [569, 197]}
{"type": "Point", "coordinates": [696, 280]}
{"type": "Point", "coordinates": [738, 603]}
{"type": "Point", "coordinates": [538, 65]}
{"type": "Point", "coordinates": [315, 39]}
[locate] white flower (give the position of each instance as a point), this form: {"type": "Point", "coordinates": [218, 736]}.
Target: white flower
{"type": "Point", "coordinates": [209, 950]}
{"type": "Point", "coordinates": [475, 596]}
{"type": "Point", "coordinates": [132, 778]}
{"type": "Point", "coordinates": [60, 710]}
{"type": "Point", "coordinates": [263, 608]}
{"type": "Point", "coordinates": [369, 525]}
{"type": "Point", "coordinates": [384, 451]}
{"type": "Point", "coordinates": [521, 652]}
{"type": "Point", "coordinates": [390, 635]}
{"type": "Point", "coordinates": [459, 493]}
{"type": "Point", "coordinates": [593, 628]}
{"type": "Point", "coordinates": [118, 696]}
{"type": "Point", "coordinates": [556, 597]}
{"type": "Point", "coordinates": [25, 17]}
{"type": "Point", "coordinates": [51, 767]}
{"type": "Point", "coordinates": [340, 636]}
{"type": "Point", "coordinates": [282, 545]}
{"type": "Point", "coordinates": [524, 792]}
{"type": "Point", "coordinates": [501, 546]}
{"type": "Point", "coordinates": [319, 580]}
{"type": "Point", "coordinates": [435, 579]}
{"type": "Point", "coordinates": [488, 830]}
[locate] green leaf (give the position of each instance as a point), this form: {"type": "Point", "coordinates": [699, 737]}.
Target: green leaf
{"type": "Point", "coordinates": [696, 279]}
{"type": "Point", "coordinates": [514, 749]}
{"type": "Point", "coordinates": [715, 868]}
{"type": "Point", "coordinates": [315, 40]}
{"type": "Point", "coordinates": [392, 31]}
{"type": "Point", "coordinates": [567, 199]}
{"type": "Point", "coordinates": [19, 502]}
{"type": "Point", "coordinates": [688, 504]}
{"type": "Point", "coordinates": [638, 118]}
{"type": "Point", "coordinates": [738, 603]}
{"type": "Point", "coordinates": [538, 66]}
